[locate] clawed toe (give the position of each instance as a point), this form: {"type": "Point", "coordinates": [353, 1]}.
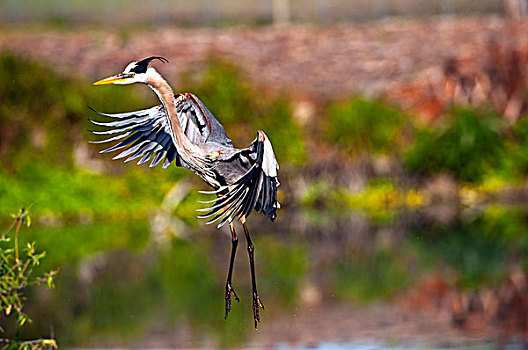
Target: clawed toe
{"type": "Point", "coordinates": [230, 292]}
{"type": "Point", "coordinates": [256, 304]}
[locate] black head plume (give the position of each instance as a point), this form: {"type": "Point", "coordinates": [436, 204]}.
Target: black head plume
{"type": "Point", "coordinates": [141, 66]}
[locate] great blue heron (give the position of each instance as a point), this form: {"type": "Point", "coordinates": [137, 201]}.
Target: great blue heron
{"type": "Point", "coordinates": [182, 130]}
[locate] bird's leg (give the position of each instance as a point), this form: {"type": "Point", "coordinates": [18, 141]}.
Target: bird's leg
{"type": "Point", "coordinates": [230, 292]}
{"type": "Point", "coordinates": [251, 252]}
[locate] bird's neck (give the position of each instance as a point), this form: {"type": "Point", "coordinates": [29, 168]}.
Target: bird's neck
{"type": "Point", "coordinates": [189, 152]}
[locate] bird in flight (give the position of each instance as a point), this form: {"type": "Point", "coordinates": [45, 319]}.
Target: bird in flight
{"type": "Point", "coordinates": [183, 131]}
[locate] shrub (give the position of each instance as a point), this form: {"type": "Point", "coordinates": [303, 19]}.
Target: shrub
{"type": "Point", "coordinates": [42, 112]}
{"type": "Point", "coordinates": [362, 126]}
{"type": "Point", "coordinates": [468, 147]}
{"type": "Point", "coordinates": [17, 274]}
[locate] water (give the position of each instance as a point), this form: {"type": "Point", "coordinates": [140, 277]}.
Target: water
{"type": "Point", "coordinates": [328, 281]}
{"type": "Point", "coordinates": [374, 346]}
{"type": "Point", "coordinates": [359, 346]}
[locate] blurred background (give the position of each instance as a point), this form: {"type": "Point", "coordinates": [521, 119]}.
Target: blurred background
{"type": "Point", "coordinates": [401, 132]}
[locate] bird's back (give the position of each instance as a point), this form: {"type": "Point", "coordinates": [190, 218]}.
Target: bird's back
{"type": "Point", "coordinates": [245, 179]}
{"type": "Point", "coordinates": [198, 123]}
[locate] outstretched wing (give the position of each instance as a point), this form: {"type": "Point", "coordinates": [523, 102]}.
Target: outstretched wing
{"type": "Point", "coordinates": [146, 134]}
{"type": "Point", "coordinates": [255, 189]}
{"type": "Point", "coordinates": [140, 134]}
{"type": "Point", "coordinates": [198, 123]}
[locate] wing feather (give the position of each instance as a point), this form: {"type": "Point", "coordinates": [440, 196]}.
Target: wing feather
{"type": "Point", "coordinates": [146, 134]}
{"type": "Point", "coordinates": [255, 190]}
{"type": "Point", "coordinates": [157, 158]}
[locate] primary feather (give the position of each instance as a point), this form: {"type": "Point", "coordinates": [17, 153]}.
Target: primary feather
{"type": "Point", "coordinates": [244, 179]}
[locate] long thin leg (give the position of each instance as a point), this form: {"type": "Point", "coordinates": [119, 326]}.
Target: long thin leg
{"type": "Point", "coordinates": [229, 289]}
{"type": "Point", "coordinates": [251, 252]}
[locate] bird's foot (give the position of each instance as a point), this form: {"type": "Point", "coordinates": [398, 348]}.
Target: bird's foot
{"type": "Point", "coordinates": [256, 304]}
{"type": "Point", "coordinates": [230, 292]}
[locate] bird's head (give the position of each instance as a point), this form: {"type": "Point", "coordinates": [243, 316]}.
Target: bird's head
{"type": "Point", "coordinates": [135, 72]}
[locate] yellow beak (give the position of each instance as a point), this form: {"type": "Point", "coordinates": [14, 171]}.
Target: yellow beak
{"type": "Point", "coordinates": [113, 79]}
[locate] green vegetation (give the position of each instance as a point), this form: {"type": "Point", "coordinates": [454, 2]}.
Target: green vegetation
{"type": "Point", "coordinates": [41, 122]}
{"type": "Point", "coordinates": [241, 109]}
{"type": "Point", "coordinates": [468, 146]}
{"type": "Point", "coordinates": [17, 274]}
{"type": "Point", "coordinates": [283, 269]}
{"type": "Point", "coordinates": [65, 193]}
{"type": "Point", "coordinates": [38, 164]}
{"type": "Point", "coordinates": [128, 293]}
{"type": "Point", "coordinates": [517, 163]}
{"type": "Point", "coordinates": [478, 250]}
{"type": "Point", "coordinates": [42, 113]}
{"type": "Point", "coordinates": [37, 151]}
{"type": "Point", "coordinates": [371, 276]}
{"type": "Point", "coordinates": [86, 218]}
{"type": "Point", "coordinates": [121, 283]}
{"type": "Point", "coordinates": [360, 126]}
{"type": "Point", "coordinates": [380, 200]}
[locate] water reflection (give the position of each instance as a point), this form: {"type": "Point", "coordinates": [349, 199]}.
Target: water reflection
{"type": "Point", "coordinates": [324, 278]}
{"type": "Point", "coordinates": [375, 346]}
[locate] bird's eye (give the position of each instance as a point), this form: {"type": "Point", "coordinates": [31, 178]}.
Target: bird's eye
{"type": "Point", "coordinates": [127, 75]}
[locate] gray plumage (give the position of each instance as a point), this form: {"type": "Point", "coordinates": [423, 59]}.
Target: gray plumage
{"type": "Point", "coordinates": [184, 132]}
{"type": "Point", "coordinates": [244, 179]}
